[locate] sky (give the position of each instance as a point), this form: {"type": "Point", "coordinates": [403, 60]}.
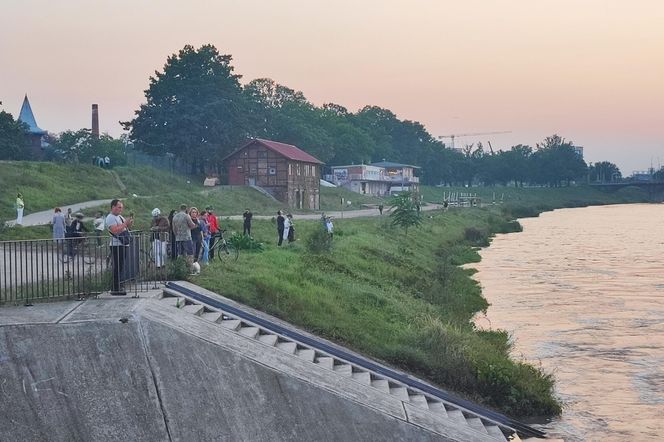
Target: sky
{"type": "Point", "coordinates": [591, 71]}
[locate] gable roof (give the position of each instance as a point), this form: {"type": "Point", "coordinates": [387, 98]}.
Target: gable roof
{"type": "Point", "coordinates": [394, 165]}
{"type": "Point", "coordinates": [287, 150]}
{"type": "Point", "coordinates": [26, 116]}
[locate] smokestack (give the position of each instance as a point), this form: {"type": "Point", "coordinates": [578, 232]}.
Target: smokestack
{"type": "Point", "coordinates": [95, 121]}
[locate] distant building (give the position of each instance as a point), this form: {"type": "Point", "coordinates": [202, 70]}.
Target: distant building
{"type": "Point", "coordinates": [363, 178]}
{"type": "Point", "coordinates": [378, 179]}
{"type": "Point", "coordinates": [401, 176]}
{"type": "Point", "coordinates": [35, 137]}
{"type": "Point", "coordinates": [288, 173]}
{"type": "Point", "coordinates": [642, 175]}
{"type": "Point", "coordinates": [578, 150]}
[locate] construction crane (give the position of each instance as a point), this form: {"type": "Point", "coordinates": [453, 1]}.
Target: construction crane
{"type": "Point", "coordinates": [453, 136]}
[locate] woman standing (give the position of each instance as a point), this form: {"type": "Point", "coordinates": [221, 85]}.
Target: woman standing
{"type": "Point", "coordinates": [196, 233]}
{"type": "Point", "coordinates": [291, 228]}
{"type": "Point", "coordinates": [58, 225]}
{"type": "Point", "coordinates": [19, 209]}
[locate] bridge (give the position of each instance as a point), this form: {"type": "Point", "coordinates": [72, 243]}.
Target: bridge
{"type": "Point", "coordinates": [655, 189]}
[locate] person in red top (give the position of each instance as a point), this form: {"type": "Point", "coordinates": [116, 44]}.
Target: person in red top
{"type": "Point", "coordinates": [214, 228]}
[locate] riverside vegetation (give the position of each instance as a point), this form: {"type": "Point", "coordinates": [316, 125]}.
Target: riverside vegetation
{"type": "Point", "coordinates": [403, 299]}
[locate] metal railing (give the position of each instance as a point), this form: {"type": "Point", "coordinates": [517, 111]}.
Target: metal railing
{"type": "Point", "coordinates": [34, 270]}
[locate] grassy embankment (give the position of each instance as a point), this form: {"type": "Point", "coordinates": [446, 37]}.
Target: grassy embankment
{"type": "Point", "coordinates": [46, 185]}
{"type": "Point", "coordinates": [402, 299]}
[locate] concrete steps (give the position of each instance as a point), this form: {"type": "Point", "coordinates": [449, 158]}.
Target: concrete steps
{"type": "Point", "coordinates": [438, 409]}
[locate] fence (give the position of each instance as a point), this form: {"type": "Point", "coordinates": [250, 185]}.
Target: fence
{"type": "Point", "coordinates": [36, 270]}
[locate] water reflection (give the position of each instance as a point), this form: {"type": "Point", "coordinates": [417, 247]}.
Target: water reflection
{"type": "Point", "coordinates": [582, 292]}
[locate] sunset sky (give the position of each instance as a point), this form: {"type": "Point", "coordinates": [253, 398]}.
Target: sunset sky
{"type": "Point", "coordinates": [589, 70]}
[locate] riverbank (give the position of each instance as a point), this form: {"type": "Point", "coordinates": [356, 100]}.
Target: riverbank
{"type": "Point", "coordinates": [403, 299]}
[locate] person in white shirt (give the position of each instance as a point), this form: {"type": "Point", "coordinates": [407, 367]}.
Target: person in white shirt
{"type": "Point", "coordinates": [117, 224]}
{"type": "Point", "coordinates": [19, 209]}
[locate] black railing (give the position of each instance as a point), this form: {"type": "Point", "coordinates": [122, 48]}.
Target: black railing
{"type": "Point", "coordinates": [34, 270]}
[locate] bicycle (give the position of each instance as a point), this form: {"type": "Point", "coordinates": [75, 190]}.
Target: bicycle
{"type": "Point", "coordinates": [80, 248]}
{"type": "Point", "coordinates": [223, 250]}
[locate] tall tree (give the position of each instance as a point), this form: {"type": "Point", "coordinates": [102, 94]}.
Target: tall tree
{"type": "Point", "coordinates": [195, 108]}
{"type": "Point", "coordinates": [12, 138]}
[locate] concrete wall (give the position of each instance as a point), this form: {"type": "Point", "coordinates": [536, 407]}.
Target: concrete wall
{"type": "Point", "coordinates": [144, 381]}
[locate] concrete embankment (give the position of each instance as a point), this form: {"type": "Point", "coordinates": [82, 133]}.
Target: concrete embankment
{"type": "Point", "coordinates": [138, 369]}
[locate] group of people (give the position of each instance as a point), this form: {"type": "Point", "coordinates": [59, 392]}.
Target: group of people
{"type": "Point", "coordinates": [285, 228]}
{"type": "Point", "coordinates": [192, 234]}
{"type": "Point", "coordinates": [71, 226]}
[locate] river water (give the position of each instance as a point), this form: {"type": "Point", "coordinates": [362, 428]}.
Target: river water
{"type": "Point", "coordinates": [582, 293]}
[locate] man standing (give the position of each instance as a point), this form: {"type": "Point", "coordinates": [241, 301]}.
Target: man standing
{"type": "Point", "coordinates": [182, 225]}
{"type": "Point", "coordinates": [214, 228]}
{"type": "Point", "coordinates": [280, 227]}
{"type": "Point", "coordinates": [117, 224]}
{"type": "Point", "coordinates": [20, 205]}
{"type": "Point", "coordinates": [247, 215]}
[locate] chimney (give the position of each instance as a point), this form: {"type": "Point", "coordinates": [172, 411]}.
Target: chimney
{"type": "Point", "coordinates": [95, 121]}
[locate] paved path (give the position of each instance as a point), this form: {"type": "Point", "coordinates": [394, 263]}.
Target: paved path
{"type": "Point", "coordinates": [362, 213]}
{"type": "Point", "coordinates": [46, 216]}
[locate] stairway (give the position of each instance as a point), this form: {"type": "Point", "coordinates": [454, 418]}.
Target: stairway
{"type": "Point", "coordinates": [484, 428]}
{"type": "Point", "coordinates": [264, 192]}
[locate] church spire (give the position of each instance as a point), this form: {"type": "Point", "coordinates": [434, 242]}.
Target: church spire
{"type": "Point", "coordinates": [26, 116]}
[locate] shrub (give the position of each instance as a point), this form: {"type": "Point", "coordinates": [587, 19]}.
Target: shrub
{"type": "Point", "coordinates": [319, 241]}
{"type": "Point", "coordinates": [245, 242]}
{"type": "Point", "coordinates": [476, 236]}
{"type": "Point", "coordinates": [178, 269]}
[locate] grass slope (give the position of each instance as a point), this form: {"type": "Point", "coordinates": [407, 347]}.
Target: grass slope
{"type": "Point", "coordinates": [46, 185]}
{"type": "Point", "coordinates": [402, 299]}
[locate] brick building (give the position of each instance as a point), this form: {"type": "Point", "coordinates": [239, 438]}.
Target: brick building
{"type": "Point", "coordinates": [289, 174]}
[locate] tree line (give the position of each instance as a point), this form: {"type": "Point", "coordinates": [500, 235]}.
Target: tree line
{"type": "Point", "coordinates": [198, 110]}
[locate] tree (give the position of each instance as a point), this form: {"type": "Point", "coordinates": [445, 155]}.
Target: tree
{"type": "Point", "coordinates": [405, 213]}
{"type": "Point", "coordinates": [556, 161]}
{"type": "Point", "coordinates": [195, 108]}
{"type": "Point", "coordinates": [519, 158]}
{"type": "Point", "coordinates": [12, 138]}
{"type": "Point", "coordinates": [81, 147]}
{"type": "Point", "coordinates": [603, 172]}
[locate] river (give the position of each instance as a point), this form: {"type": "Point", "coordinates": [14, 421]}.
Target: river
{"type": "Point", "coordinates": [582, 293]}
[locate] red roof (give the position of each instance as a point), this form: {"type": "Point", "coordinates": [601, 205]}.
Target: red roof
{"type": "Point", "coordinates": [287, 150]}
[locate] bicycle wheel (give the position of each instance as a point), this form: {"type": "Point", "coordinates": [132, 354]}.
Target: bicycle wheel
{"type": "Point", "coordinates": [226, 252]}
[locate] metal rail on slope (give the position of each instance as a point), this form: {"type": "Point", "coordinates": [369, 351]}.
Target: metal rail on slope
{"type": "Point", "coordinates": [522, 429]}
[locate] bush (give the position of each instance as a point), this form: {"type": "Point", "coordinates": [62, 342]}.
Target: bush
{"type": "Point", "coordinates": [476, 236]}
{"type": "Point", "coordinates": [245, 242]}
{"type": "Point", "coordinates": [178, 269]}
{"type": "Point", "coordinates": [319, 241]}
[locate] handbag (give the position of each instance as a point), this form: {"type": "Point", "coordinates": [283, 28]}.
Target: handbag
{"type": "Point", "coordinates": [124, 237]}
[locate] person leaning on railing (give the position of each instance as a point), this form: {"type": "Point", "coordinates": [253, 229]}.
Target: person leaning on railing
{"type": "Point", "coordinates": [117, 224]}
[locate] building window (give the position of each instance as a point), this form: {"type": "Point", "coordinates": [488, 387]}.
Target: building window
{"type": "Point", "coordinates": [290, 169]}
{"type": "Point", "coordinates": [272, 171]}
